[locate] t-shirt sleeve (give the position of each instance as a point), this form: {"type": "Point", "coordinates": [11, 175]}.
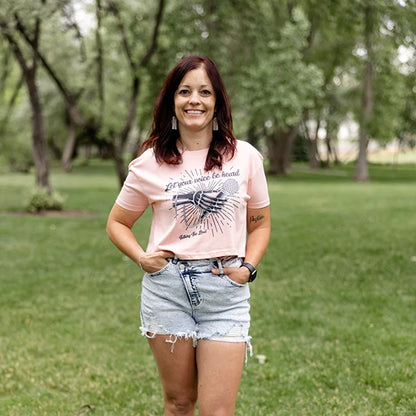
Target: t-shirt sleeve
{"type": "Point", "coordinates": [257, 185]}
{"type": "Point", "coordinates": [130, 196]}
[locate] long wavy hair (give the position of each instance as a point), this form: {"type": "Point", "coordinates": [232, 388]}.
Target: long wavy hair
{"type": "Point", "coordinates": [163, 139]}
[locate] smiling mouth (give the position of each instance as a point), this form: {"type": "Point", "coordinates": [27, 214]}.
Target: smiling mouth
{"type": "Point", "coordinates": [197, 112]}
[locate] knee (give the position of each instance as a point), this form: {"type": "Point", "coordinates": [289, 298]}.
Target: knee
{"type": "Point", "coordinates": [182, 405]}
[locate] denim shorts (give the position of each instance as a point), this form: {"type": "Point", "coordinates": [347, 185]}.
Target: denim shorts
{"type": "Point", "coordinates": [184, 299]}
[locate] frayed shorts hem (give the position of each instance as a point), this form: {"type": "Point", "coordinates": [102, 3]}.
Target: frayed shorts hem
{"type": "Point", "coordinates": [172, 338]}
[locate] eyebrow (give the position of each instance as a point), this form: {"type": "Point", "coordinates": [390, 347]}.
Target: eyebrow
{"type": "Point", "coordinates": [188, 86]}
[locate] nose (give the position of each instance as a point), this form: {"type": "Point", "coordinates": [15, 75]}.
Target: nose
{"type": "Point", "coordinates": [194, 98]}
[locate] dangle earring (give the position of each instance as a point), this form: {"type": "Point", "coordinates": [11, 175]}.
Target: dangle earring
{"type": "Point", "coordinates": [174, 123]}
{"type": "Point", "coordinates": [215, 123]}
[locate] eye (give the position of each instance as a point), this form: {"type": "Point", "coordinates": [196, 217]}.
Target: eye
{"type": "Point", "coordinates": [183, 92]}
{"type": "Point", "coordinates": [206, 93]}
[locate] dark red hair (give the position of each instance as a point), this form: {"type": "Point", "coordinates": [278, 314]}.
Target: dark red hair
{"type": "Point", "coordinates": [163, 138]}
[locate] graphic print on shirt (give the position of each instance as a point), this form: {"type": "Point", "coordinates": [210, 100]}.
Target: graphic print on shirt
{"type": "Point", "coordinates": [205, 201]}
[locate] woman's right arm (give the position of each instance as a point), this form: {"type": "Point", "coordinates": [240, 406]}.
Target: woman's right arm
{"type": "Point", "coordinates": [119, 230]}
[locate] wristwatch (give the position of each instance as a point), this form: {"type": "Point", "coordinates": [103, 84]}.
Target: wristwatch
{"type": "Point", "coordinates": [253, 271]}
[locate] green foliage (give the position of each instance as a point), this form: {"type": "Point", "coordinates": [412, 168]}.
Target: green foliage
{"type": "Point", "coordinates": [276, 82]}
{"type": "Point", "coordinates": [15, 155]}
{"type": "Point", "coordinates": [332, 309]}
{"type": "Point", "coordinates": [279, 60]}
{"type": "Point", "coordinates": [389, 101]}
{"type": "Point", "coordinates": [41, 200]}
{"type": "Point", "coordinates": [406, 132]}
{"type": "Point", "coordinates": [15, 144]}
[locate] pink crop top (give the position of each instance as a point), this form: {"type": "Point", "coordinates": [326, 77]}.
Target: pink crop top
{"type": "Point", "coordinates": [197, 214]}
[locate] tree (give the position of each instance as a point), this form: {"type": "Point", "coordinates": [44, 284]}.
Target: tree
{"type": "Point", "coordinates": [361, 169]}
{"type": "Point", "coordinates": [280, 85]}
{"type": "Point", "coordinates": [305, 67]}
{"type": "Point", "coordinates": [137, 61]}
{"type": "Point", "coordinates": [386, 25]}
{"type": "Point", "coordinates": [330, 41]}
{"type": "Point", "coordinates": [28, 63]}
{"type": "Point", "coordinates": [136, 65]}
{"type": "Point", "coordinates": [269, 82]}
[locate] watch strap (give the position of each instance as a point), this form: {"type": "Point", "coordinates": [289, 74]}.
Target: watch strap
{"type": "Point", "coordinates": [253, 271]}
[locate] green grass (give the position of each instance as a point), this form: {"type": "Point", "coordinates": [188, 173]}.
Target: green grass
{"type": "Point", "coordinates": [333, 308]}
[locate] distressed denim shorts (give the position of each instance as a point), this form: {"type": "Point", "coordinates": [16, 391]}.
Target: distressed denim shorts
{"type": "Point", "coordinates": [184, 299]}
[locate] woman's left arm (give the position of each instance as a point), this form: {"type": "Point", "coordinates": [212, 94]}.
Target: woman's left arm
{"type": "Point", "coordinates": [258, 230]}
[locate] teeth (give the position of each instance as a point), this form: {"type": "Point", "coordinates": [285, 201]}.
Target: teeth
{"type": "Point", "coordinates": [194, 112]}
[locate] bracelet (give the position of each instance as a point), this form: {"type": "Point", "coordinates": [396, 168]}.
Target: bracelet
{"type": "Point", "coordinates": [140, 257]}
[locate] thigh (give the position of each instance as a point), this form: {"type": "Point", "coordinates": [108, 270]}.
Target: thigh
{"type": "Point", "coordinates": [177, 366]}
{"type": "Point", "coordinates": [220, 365]}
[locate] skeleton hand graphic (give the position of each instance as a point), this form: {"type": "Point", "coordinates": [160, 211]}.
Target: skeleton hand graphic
{"type": "Point", "coordinates": [207, 202]}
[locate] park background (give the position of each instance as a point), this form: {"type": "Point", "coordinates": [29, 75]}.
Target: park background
{"type": "Point", "coordinates": [324, 89]}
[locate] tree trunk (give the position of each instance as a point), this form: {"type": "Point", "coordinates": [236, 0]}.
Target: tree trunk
{"type": "Point", "coordinates": [38, 134]}
{"type": "Point", "coordinates": [100, 59]}
{"type": "Point", "coordinates": [331, 133]}
{"type": "Point", "coordinates": [69, 146]}
{"type": "Point", "coordinates": [38, 128]}
{"type": "Point", "coordinates": [117, 156]}
{"type": "Point", "coordinates": [361, 168]}
{"type": "Point", "coordinates": [313, 153]}
{"type": "Point", "coordinates": [279, 147]}
{"type": "Point", "coordinates": [252, 137]}
{"type": "Point", "coordinates": [121, 140]}
{"type": "Point", "coordinates": [331, 151]}
{"type": "Point", "coordinates": [137, 143]}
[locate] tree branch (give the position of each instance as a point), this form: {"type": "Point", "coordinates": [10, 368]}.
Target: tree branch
{"type": "Point", "coordinates": [15, 47]}
{"type": "Point", "coordinates": [113, 7]}
{"type": "Point", "coordinates": [70, 98]}
{"type": "Point", "coordinates": [71, 23]}
{"type": "Point", "coordinates": [153, 44]}
{"type": "Point", "coordinates": [135, 80]}
{"type": "Point", "coordinates": [98, 40]}
{"type": "Point", "coordinates": [10, 105]}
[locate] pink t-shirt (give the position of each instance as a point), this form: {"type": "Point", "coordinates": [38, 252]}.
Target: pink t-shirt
{"type": "Point", "coordinates": [197, 214]}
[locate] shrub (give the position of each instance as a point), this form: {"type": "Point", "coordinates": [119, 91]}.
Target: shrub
{"type": "Point", "coordinates": [41, 200]}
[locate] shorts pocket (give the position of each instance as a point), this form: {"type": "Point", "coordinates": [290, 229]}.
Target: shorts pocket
{"type": "Point", "coordinates": [232, 282]}
{"type": "Point", "coordinates": [161, 271]}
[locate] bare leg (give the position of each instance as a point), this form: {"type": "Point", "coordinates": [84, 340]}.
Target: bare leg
{"type": "Point", "coordinates": [178, 374]}
{"type": "Point", "coordinates": [220, 365]}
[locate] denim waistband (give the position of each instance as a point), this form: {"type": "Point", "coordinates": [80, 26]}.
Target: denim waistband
{"type": "Point", "coordinates": [198, 262]}
{"type": "Point", "coordinates": [216, 262]}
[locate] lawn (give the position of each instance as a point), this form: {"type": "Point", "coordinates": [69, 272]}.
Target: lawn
{"type": "Point", "coordinates": [333, 309]}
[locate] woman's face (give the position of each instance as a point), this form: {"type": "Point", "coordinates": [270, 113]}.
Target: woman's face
{"type": "Point", "coordinates": [195, 102]}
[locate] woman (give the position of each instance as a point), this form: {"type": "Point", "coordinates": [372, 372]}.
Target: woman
{"type": "Point", "coordinates": [210, 229]}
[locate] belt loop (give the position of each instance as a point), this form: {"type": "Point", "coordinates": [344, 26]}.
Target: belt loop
{"type": "Point", "coordinates": [219, 262]}
{"type": "Point", "coordinates": [175, 259]}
